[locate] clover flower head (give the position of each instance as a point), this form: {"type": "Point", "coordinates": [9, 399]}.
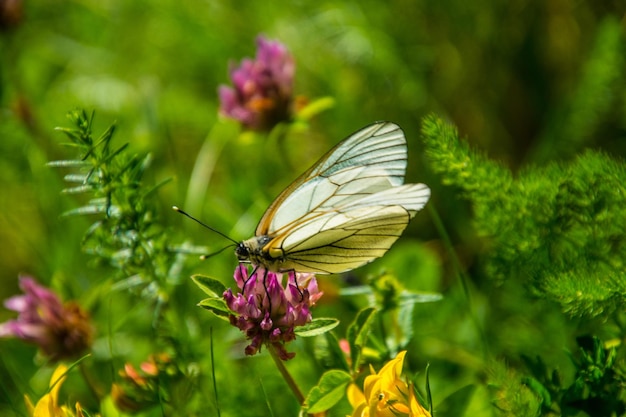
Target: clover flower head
{"type": "Point", "coordinates": [262, 91]}
{"type": "Point", "coordinates": [268, 312]}
{"type": "Point", "coordinates": [60, 330]}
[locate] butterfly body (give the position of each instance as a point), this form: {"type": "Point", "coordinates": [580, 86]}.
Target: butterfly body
{"type": "Point", "coordinates": [344, 212]}
{"type": "Point", "coordinates": [252, 250]}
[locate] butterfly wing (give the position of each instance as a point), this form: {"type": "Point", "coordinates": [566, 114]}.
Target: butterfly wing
{"type": "Point", "coordinates": [351, 235]}
{"type": "Point", "coordinates": [369, 160]}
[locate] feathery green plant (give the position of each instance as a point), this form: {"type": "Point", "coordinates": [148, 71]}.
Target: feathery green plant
{"type": "Point", "coordinates": [559, 227]}
{"type": "Point", "coordinates": [126, 233]}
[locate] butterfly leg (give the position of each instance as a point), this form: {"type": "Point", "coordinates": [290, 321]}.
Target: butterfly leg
{"type": "Point", "coordinates": [243, 289]}
{"type": "Point", "coordinates": [292, 273]}
{"type": "Point", "coordinates": [267, 293]}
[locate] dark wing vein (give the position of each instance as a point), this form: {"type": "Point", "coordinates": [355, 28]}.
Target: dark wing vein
{"type": "Point", "coordinates": [380, 147]}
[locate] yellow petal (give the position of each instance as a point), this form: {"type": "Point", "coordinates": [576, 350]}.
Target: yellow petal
{"type": "Point", "coordinates": [416, 408]}
{"type": "Point", "coordinates": [392, 369]}
{"type": "Point", "coordinates": [355, 396]}
{"type": "Point", "coordinates": [46, 408]}
{"type": "Point", "coordinates": [361, 411]}
{"type": "Point", "coordinates": [58, 377]}
{"type": "Point", "coordinates": [370, 385]}
{"type": "Point", "coordinates": [47, 405]}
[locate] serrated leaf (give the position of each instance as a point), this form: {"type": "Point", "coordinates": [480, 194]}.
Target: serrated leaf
{"type": "Point", "coordinates": [210, 286]}
{"type": "Point", "coordinates": [317, 327]}
{"type": "Point", "coordinates": [329, 391]}
{"type": "Point", "coordinates": [358, 332]}
{"type": "Point", "coordinates": [216, 306]}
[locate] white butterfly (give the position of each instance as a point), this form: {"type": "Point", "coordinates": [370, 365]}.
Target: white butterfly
{"type": "Point", "coordinates": [345, 211]}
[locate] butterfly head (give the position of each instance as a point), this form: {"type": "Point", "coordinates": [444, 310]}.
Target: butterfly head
{"type": "Point", "coordinates": [253, 250]}
{"type": "Point", "coordinates": [242, 251]}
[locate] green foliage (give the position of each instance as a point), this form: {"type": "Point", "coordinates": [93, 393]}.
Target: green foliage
{"type": "Point", "coordinates": [511, 396]}
{"type": "Point", "coordinates": [317, 327]}
{"type": "Point", "coordinates": [558, 227]}
{"type": "Point", "coordinates": [358, 333]}
{"type": "Point", "coordinates": [210, 286]}
{"type": "Point", "coordinates": [457, 403]}
{"type": "Point", "coordinates": [598, 388]}
{"type": "Point", "coordinates": [592, 102]}
{"type": "Point", "coordinates": [329, 391]}
{"type": "Point", "coordinates": [127, 233]}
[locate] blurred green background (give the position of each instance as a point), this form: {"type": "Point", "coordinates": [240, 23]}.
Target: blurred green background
{"type": "Point", "coordinates": [508, 74]}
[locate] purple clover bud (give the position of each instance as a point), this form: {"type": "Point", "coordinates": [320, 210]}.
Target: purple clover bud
{"type": "Point", "coordinates": [266, 311]}
{"type": "Point", "coordinates": [62, 331]}
{"type": "Point", "coordinates": [262, 91]}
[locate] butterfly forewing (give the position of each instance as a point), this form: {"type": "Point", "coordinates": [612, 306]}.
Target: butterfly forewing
{"type": "Point", "coordinates": [322, 194]}
{"type": "Point", "coordinates": [345, 211]}
{"type": "Point", "coordinates": [378, 149]}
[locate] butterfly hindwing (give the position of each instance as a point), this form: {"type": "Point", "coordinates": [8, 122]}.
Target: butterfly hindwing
{"type": "Point", "coordinates": [351, 235]}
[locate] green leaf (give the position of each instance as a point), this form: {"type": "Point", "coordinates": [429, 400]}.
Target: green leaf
{"type": "Point", "coordinates": [68, 163]}
{"type": "Point", "coordinates": [317, 327]}
{"type": "Point", "coordinates": [80, 211]}
{"type": "Point", "coordinates": [315, 107]}
{"type": "Point", "coordinates": [411, 297]}
{"type": "Point", "coordinates": [216, 306]}
{"type": "Point", "coordinates": [79, 178]}
{"type": "Point", "coordinates": [329, 391]}
{"type": "Point", "coordinates": [455, 404]}
{"type": "Point", "coordinates": [211, 286]}
{"type": "Point", "coordinates": [329, 354]}
{"type": "Point", "coordinates": [78, 190]}
{"type": "Point", "coordinates": [538, 389]}
{"type": "Point", "coordinates": [358, 332]}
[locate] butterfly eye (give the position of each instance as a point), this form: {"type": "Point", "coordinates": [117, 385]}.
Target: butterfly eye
{"type": "Point", "coordinates": [242, 251]}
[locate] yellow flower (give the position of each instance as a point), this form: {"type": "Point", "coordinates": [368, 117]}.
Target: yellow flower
{"type": "Point", "coordinates": [48, 405]}
{"type": "Point", "coordinates": [385, 394]}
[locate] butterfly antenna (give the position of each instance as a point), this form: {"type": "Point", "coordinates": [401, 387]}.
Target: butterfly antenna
{"type": "Point", "coordinates": [205, 257]}
{"type": "Point", "coordinates": [208, 227]}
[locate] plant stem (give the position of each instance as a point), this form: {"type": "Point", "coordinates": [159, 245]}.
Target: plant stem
{"type": "Point", "coordinates": [286, 375]}
{"type": "Point", "coordinates": [94, 388]}
{"type": "Point", "coordinates": [459, 272]}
